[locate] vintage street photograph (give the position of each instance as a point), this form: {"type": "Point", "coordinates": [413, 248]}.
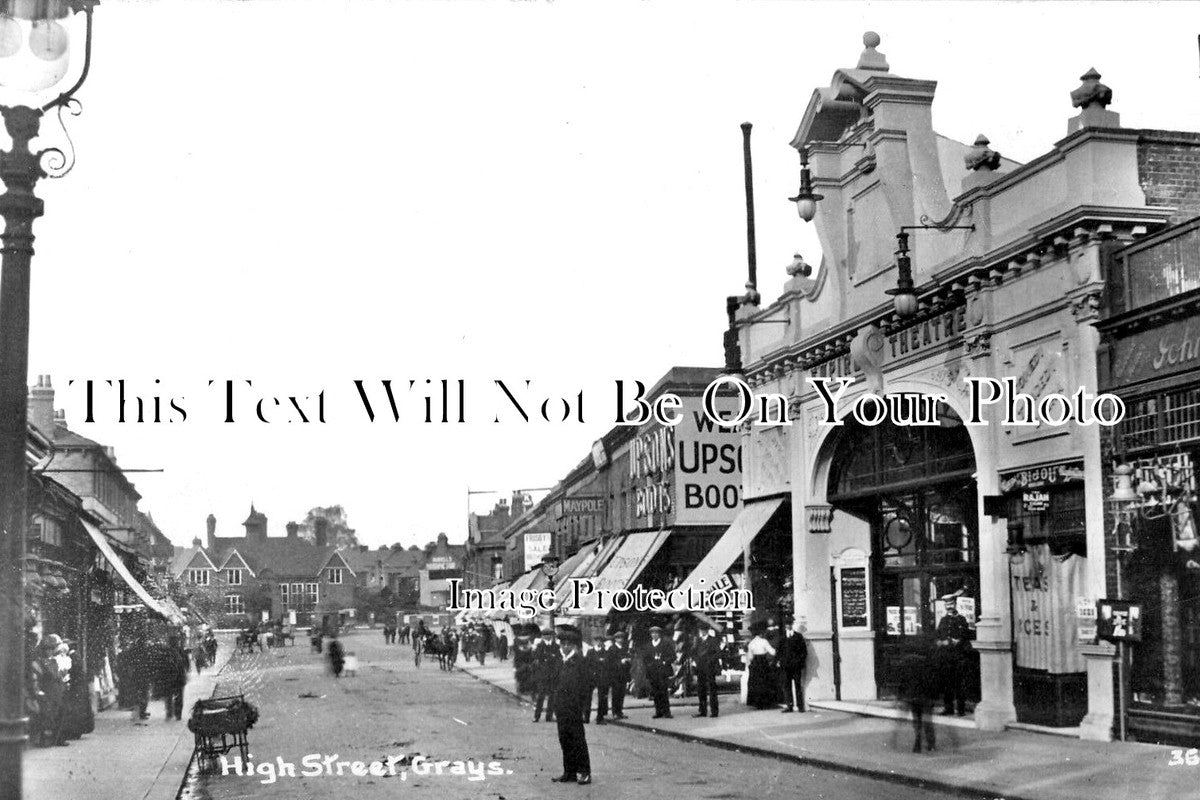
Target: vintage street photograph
{"type": "Point", "coordinates": [535, 399]}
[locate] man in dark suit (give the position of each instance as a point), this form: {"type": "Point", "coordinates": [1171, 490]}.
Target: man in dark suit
{"type": "Point", "coordinates": [660, 661]}
{"type": "Point", "coordinates": [598, 674]}
{"type": "Point", "coordinates": [620, 661]}
{"type": "Point", "coordinates": [547, 663]}
{"type": "Point", "coordinates": [791, 656]}
{"type": "Point", "coordinates": [571, 697]}
{"type": "Point", "coordinates": [706, 658]}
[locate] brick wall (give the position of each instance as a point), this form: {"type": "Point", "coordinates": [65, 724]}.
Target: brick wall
{"type": "Point", "coordinates": [1169, 171]}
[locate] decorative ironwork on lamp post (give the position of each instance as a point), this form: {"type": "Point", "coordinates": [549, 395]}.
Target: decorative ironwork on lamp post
{"type": "Point", "coordinates": [34, 60]}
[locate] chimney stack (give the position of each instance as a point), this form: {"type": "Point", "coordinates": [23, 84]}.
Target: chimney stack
{"type": "Point", "coordinates": [211, 522]}
{"type": "Point", "coordinates": [321, 529]}
{"type": "Point", "coordinates": [41, 407]}
{"type": "Point", "coordinates": [292, 530]}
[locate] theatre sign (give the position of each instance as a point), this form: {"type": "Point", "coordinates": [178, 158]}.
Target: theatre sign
{"type": "Point", "coordinates": [688, 474]}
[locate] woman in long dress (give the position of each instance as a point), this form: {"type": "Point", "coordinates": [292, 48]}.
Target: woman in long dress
{"type": "Point", "coordinates": [760, 657]}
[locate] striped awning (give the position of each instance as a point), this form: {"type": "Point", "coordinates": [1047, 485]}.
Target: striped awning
{"type": "Point", "coordinates": [164, 608]}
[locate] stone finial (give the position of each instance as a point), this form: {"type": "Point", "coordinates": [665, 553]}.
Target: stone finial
{"type": "Point", "coordinates": [981, 156]}
{"type": "Point", "coordinates": [798, 267]}
{"type": "Point", "coordinates": [1091, 91]}
{"type": "Point", "coordinates": [1091, 98]}
{"type": "Point", "coordinates": [872, 58]}
{"type": "Point", "coordinates": [751, 297]}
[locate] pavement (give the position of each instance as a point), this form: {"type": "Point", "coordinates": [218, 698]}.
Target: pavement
{"type": "Point", "coordinates": [1011, 764]}
{"type": "Point", "coordinates": [123, 759]}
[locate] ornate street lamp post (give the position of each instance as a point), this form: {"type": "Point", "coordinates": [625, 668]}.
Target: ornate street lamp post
{"type": "Point", "coordinates": [34, 59]}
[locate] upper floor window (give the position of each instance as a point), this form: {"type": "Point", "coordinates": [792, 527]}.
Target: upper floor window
{"type": "Point", "coordinates": [334, 574]}
{"type": "Point", "coordinates": [1156, 268]}
{"type": "Point", "coordinates": [234, 604]}
{"type": "Point", "coordinates": [48, 530]}
{"type": "Point", "coordinates": [233, 577]}
{"type": "Point", "coordinates": [198, 576]}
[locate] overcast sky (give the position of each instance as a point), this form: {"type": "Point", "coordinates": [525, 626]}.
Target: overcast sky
{"type": "Point", "coordinates": [307, 193]}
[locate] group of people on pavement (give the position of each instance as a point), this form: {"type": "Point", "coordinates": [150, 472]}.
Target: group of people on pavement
{"type": "Point", "coordinates": [157, 667]}
{"type": "Point", "coordinates": [776, 662]}
{"type": "Point", "coordinates": [56, 693]}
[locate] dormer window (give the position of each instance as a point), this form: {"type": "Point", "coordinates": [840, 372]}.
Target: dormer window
{"type": "Point", "coordinates": [233, 577]}
{"type": "Point", "coordinates": [334, 574]}
{"type": "Point", "coordinates": [198, 577]}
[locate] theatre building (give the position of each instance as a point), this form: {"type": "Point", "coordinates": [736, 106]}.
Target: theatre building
{"type": "Point", "coordinates": [892, 523]}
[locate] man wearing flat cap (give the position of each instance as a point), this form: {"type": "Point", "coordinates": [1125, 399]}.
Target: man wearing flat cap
{"type": "Point", "coordinates": [660, 660]}
{"type": "Point", "coordinates": [572, 696]}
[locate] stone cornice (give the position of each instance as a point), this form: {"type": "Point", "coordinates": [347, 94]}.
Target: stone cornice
{"type": "Point", "coordinates": [949, 287]}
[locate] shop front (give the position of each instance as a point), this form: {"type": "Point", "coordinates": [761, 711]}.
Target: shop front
{"type": "Point", "coordinates": [1152, 360]}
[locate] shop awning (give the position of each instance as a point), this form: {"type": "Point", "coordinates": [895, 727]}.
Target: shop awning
{"type": "Point", "coordinates": [625, 562]}
{"type": "Point", "coordinates": [577, 566]}
{"type": "Point", "coordinates": [167, 609]}
{"type": "Point", "coordinates": [518, 583]}
{"type": "Point", "coordinates": [732, 544]}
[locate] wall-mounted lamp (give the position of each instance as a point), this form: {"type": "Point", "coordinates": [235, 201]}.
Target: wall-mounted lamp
{"type": "Point", "coordinates": [805, 200]}
{"type": "Point", "coordinates": [903, 296]}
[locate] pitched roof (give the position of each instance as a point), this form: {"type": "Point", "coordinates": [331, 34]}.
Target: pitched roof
{"type": "Point", "coordinates": [182, 560]}
{"type": "Point", "coordinates": [280, 555]}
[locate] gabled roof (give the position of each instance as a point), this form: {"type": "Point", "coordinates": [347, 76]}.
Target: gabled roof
{"type": "Point", "coordinates": [336, 556]}
{"type": "Point", "coordinates": [233, 560]}
{"type": "Point", "coordinates": [184, 561]}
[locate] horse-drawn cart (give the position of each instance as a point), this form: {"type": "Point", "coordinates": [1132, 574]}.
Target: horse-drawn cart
{"type": "Point", "coordinates": [220, 725]}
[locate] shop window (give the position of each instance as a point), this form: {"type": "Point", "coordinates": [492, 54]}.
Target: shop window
{"type": "Point", "coordinates": [1051, 515]}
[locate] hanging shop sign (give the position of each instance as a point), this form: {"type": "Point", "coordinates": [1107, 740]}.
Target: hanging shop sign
{"type": "Point", "coordinates": [1119, 621]}
{"type": "Point", "coordinates": [1162, 351]}
{"type": "Point", "coordinates": [536, 546]}
{"type": "Point", "coordinates": [1041, 477]}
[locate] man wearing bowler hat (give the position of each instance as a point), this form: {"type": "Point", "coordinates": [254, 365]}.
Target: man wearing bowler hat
{"type": "Point", "coordinates": [572, 696]}
{"type": "Point", "coordinates": [706, 656]}
{"type": "Point", "coordinates": [660, 661]}
{"type": "Point", "coordinates": [620, 660]}
{"type": "Point", "coordinates": [547, 663]}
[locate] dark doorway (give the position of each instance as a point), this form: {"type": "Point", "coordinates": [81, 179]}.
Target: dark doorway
{"type": "Point", "coordinates": [914, 486]}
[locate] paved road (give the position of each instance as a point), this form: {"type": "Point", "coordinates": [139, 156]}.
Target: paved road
{"type": "Point", "coordinates": [392, 709]}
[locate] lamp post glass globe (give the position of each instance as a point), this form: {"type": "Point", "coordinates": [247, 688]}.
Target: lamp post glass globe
{"type": "Point", "coordinates": [35, 45]}
{"type": "Point", "coordinates": [807, 208]}
{"type": "Point", "coordinates": [905, 304]}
